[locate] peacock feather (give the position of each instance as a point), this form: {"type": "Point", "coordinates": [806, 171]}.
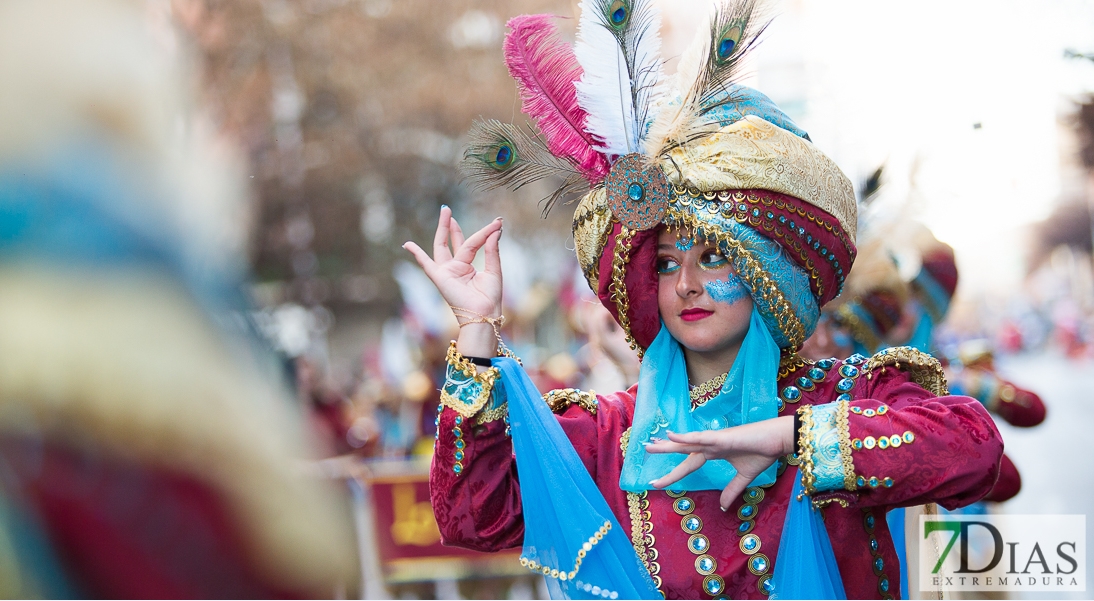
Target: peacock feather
{"type": "Point", "coordinates": [711, 64]}
{"type": "Point", "coordinates": [502, 155]}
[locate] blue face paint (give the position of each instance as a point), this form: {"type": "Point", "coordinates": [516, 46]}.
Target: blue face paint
{"type": "Point", "coordinates": [729, 291]}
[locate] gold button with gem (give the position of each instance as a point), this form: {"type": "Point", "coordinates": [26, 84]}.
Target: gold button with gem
{"type": "Point", "coordinates": [750, 544]}
{"type": "Point", "coordinates": [909, 437]}
{"type": "Point", "coordinates": [869, 442]}
{"type": "Point", "coordinates": [895, 440]}
{"type": "Point", "coordinates": [705, 564]}
{"type": "Point", "coordinates": [691, 523]}
{"type": "Point", "coordinates": [683, 506]}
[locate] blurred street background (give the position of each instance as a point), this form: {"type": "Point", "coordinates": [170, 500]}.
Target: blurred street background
{"type": "Point", "coordinates": [343, 121]}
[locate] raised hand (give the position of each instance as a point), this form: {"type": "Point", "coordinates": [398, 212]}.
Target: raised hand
{"type": "Point", "coordinates": [750, 449]}
{"type": "Point", "coordinates": [459, 283]}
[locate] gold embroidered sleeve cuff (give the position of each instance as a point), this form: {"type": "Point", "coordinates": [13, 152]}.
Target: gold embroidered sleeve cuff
{"type": "Point", "coordinates": [826, 449]}
{"type": "Point", "coordinates": [466, 391]}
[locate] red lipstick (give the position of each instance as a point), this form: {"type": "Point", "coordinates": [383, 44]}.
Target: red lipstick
{"type": "Point", "coordinates": [695, 314]}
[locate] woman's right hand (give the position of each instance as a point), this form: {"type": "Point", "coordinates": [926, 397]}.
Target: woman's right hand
{"type": "Point", "coordinates": [460, 284]}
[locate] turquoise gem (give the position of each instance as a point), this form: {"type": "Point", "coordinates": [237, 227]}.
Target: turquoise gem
{"type": "Point", "coordinates": [457, 432]}
{"type": "Point", "coordinates": [692, 524]}
{"type": "Point", "coordinates": [457, 468]}
{"type": "Point", "coordinates": [870, 521]}
{"type": "Point", "coordinates": [791, 393]}
{"type": "Point", "coordinates": [744, 527]}
{"type": "Point", "coordinates": [750, 542]}
{"type": "Point", "coordinates": [683, 504]}
{"type": "Point", "coordinates": [884, 585]}
{"type": "Point", "coordinates": [844, 397]}
{"type": "Point", "coordinates": [714, 586]}
{"type": "Point", "coordinates": [826, 363]}
{"type": "Point", "coordinates": [459, 455]}
{"type": "Point", "coordinates": [861, 481]}
{"type": "Point", "coordinates": [706, 564]}
{"type": "Point", "coordinates": [768, 586]}
{"type": "Point", "coordinates": [459, 444]}
{"type": "Point", "coordinates": [879, 564]}
{"type": "Point", "coordinates": [748, 510]}
{"type": "Point", "coordinates": [758, 563]}
{"type": "Point", "coordinates": [459, 419]}
{"type": "Point", "coordinates": [856, 358]}
{"type": "Point", "coordinates": [873, 544]}
{"type": "Point", "coordinates": [635, 192]}
{"type": "Point", "coordinates": [848, 371]}
{"type": "Point", "coordinates": [699, 544]}
{"type": "Point", "coordinates": [817, 374]}
{"type": "Point", "coordinates": [806, 384]}
{"type": "Point", "coordinates": [845, 385]}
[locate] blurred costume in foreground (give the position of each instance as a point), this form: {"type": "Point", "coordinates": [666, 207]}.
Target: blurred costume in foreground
{"type": "Point", "coordinates": [713, 161]}
{"type": "Point", "coordinates": [144, 450]}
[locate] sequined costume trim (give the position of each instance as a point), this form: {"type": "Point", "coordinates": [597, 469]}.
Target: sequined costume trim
{"type": "Point", "coordinates": [560, 399]}
{"type": "Point", "coordinates": [924, 369]}
{"type": "Point", "coordinates": [465, 391]}
{"type": "Point", "coordinates": [618, 288]}
{"type": "Point", "coordinates": [591, 228]}
{"type": "Point", "coordinates": [843, 428]}
{"type": "Point", "coordinates": [587, 546]}
{"type": "Point", "coordinates": [805, 450]}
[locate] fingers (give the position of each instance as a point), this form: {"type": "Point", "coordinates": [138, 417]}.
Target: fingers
{"type": "Point", "coordinates": [733, 490]}
{"type": "Point", "coordinates": [687, 466]}
{"type": "Point", "coordinates": [471, 246]}
{"type": "Point", "coordinates": [666, 446]}
{"type": "Point", "coordinates": [441, 252]}
{"type": "Point", "coordinates": [457, 234]}
{"type": "Point", "coordinates": [493, 255]}
{"type": "Point", "coordinates": [421, 257]}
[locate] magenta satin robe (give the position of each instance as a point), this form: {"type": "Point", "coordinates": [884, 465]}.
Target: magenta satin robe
{"type": "Point", "coordinates": [953, 459]}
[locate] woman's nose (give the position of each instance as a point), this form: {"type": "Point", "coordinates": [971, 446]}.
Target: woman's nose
{"type": "Point", "coordinates": [690, 283]}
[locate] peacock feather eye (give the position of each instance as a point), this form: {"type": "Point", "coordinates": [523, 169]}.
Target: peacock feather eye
{"type": "Point", "coordinates": [504, 156]}
{"type": "Point", "coordinates": [618, 13]}
{"type": "Point", "coordinates": [728, 42]}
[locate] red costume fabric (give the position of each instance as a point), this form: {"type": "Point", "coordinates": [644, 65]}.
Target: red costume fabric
{"type": "Point", "coordinates": [949, 453]}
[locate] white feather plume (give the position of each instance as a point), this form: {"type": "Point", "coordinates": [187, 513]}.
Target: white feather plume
{"type": "Point", "coordinates": [623, 74]}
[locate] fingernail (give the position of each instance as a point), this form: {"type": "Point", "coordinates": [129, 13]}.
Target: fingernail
{"type": "Point", "coordinates": [656, 439]}
{"type": "Point", "coordinates": [722, 508]}
{"type": "Point", "coordinates": [444, 206]}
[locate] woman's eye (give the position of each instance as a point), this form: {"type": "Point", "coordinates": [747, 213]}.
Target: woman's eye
{"type": "Point", "coordinates": [667, 265]}
{"type": "Point", "coordinates": [713, 259]}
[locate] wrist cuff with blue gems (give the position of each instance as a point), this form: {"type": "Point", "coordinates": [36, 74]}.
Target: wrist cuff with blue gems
{"type": "Point", "coordinates": [465, 390]}
{"type": "Point", "coordinates": [825, 448]}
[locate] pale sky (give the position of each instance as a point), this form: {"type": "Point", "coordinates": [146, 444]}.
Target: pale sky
{"type": "Point", "coordinates": [875, 81]}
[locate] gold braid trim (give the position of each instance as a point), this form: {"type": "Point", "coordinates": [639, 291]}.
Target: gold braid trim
{"type": "Point", "coordinates": [539, 568]}
{"type": "Point", "coordinates": [860, 330]}
{"type": "Point", "coordinates": [467, 368]}
{"type": "Point", "coordinates": [492, 415]}
{"type": "Point", "coordinates": [924, 369]}
{"type": "Point", "coordinates": [805, 452]}
{"type": "Point", "coordinates": [764, 289]}
{"type": "Point", "coordinates": [560, 399]}
{"type": "Point", "coordinates": [618, 288]}
{"type": "Point", "coordinates": [843, 427]}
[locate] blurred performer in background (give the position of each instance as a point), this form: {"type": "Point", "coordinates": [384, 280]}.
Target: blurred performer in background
{"type": "Point", "coordinates": [713, 236]}
{"type": "Point", "coordinates": [145, 449]}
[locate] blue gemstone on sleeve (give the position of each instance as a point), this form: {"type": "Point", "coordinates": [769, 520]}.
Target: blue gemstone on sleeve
{"type": "Point", "coordinates": [845, 385]}
{"type": "Point", "coordinates": [884, 585]}
{"type": "Point", "coordinates": [844, 397]}
{"type": "Point", "coordinates": [748, 510]}
{"type": "Point", "coordinates": [879, 564]}
{"type": "Point", "coordinates": [816, 374]}
{"type": "Point", "coordinates": [848, 371]}
{"type": "Point", "coordinates": [759, 563]}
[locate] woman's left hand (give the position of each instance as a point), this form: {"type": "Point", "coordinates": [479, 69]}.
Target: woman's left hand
{"type": "Point", "coordinates": [750, 449]}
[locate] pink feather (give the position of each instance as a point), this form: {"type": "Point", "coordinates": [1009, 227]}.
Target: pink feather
{"type": "Point", "coordinates": [545, 69]}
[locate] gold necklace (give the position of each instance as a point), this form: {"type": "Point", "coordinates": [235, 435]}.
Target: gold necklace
{"type": "Point", "coordinates": [707, 390]}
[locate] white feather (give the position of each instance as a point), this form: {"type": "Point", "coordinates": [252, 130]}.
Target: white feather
{"type": "Point", "coordinates": [618, 107]}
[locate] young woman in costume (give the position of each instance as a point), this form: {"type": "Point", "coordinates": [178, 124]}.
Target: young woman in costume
{"type": "Point", "coordinates": [714, 231]}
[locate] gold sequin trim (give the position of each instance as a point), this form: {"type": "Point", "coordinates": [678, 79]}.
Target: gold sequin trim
{"type": "Point", "coordinates": [843, 428]}
{"type": "Point", "coordinates": [492, 415]}
{"type": "Point", "coordinates": [591, 228]}
{"type": "Point", "coordinates": [624, 440]}
{"type": "Point", "coordinates": [618, 288]}
{"type": "Point", "coordinates": [581, 553]}
{"type": "Point", "coordinates": [486, 380]}
{"type": "Point", "coordinates": [791, 362]}
{"type": "Point", "coordinates": [924, 369]}
{"type": "Point", "coordinates": [707, 390]}
{"type": "Point", "coordinates": [765, 290]}
{"type": "Point", "coordinates": [805, 453]}
{"type": "Point", "coordinates": [560, 399]}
